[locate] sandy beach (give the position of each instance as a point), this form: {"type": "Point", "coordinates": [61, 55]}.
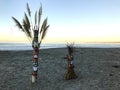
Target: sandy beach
{"type": "Point", "coordinates": [97, 69]}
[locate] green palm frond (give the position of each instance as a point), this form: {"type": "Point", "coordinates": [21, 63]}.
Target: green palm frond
{"type": "Point", "coordinates": [28, 10]}
{"type": "Point", "coordinates": [35, 17]}
{"type": "Point", "coordinates": [18, 24]}
{"type": "Point", "coordinates": [39, 15]}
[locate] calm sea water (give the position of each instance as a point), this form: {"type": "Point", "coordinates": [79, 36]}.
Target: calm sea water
{"type": "Point", "coordinates": [27, 46]}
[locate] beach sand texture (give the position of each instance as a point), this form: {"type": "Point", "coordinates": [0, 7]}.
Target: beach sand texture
{"type": "Point", "coordinates": [97, 69]}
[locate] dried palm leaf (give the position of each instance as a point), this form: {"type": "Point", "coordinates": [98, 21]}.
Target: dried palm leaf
{"type": "Point", "coordinates": [28, 10]}
{"type": "Point", "coordinates": [70, 47]}
{"type": "Point", "coordinates": [26, 29]}
{"type": "Point", "coordinates": [39, 15]}
{"type": "Point", "coordinates": [18, 24]}
{"type": "Point", "coordinates": [35, 17]}
{"type": "Point", "coordinates": [27, 21]}
{"type": "Point", "coordinates": [44, 24]}
{"type": "Point", "coordinates": [44, 31]}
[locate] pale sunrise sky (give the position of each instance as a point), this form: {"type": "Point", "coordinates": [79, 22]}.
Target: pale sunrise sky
{"type": "Point", "coordinates": [70, 20]}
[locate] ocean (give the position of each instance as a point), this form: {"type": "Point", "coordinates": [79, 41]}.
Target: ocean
{"type": "Point", "coordinates": [27, 46]}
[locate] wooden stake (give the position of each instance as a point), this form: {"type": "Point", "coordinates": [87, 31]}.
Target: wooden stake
{"type": "Point", "coordinates": [35, 55]}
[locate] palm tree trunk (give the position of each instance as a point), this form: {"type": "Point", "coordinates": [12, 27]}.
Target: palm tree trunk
{"type": "Point", "coordinates": [35, 55]}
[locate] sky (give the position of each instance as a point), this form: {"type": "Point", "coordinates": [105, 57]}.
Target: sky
{"type": "Point", "coordinates": [70, 20]}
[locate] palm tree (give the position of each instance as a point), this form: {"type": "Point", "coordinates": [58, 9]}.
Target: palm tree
{"type": "Point", "coordinates": [70, 74]}
{"type": "Point", "coordinates": [35, 33]}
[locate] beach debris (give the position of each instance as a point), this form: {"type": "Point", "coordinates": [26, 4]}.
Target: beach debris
{"type": "Point", "coordinates": [111, 74]}
{"type": "Point", "coordinates": [70, 74]}
{"type": "Point", "coordinates": [116, 66]}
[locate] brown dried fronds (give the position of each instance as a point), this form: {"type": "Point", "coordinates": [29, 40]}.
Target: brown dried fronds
{"type": "Point", "coordinates": [70, 47]}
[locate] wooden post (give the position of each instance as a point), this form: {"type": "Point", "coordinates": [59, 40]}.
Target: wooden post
{"type": "Point", "coordinates": [35, 55]}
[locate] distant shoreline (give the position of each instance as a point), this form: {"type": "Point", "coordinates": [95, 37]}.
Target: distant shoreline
{"type": "Point", "coordinates": [27, 46]}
